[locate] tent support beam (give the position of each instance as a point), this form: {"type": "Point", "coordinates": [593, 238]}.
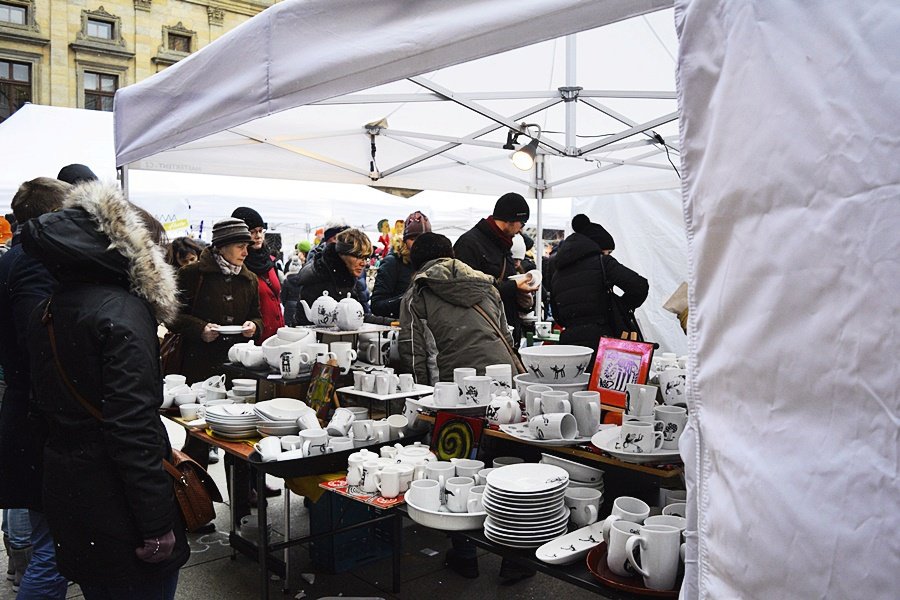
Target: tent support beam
{"type": "Point", "coordinates": [511, 95]}
{"type": "Point", "coordinates": [619, 117]}
{"type": "Point", "coordinates": [630, 132]}
{"type": "Point", "coordinates": [539, 185]}
{"type": "Point", "coordinates": [301, 152]}
{"type": "Point", "coordinates": [612, 165]}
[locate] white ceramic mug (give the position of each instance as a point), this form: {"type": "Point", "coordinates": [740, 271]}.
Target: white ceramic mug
{"type": "Point", "coordinates": [616, 559]}
{"type": "Point", "coordinates": [358, 380]}
{"type": "Point", "coordinates": [679, 523]}
{"type": "Point", "coordinates": [340, 444]}
{"type": "Point", "coordinates": [477, 390]}
{"type": "Point", "coordinates": [587, 413]}
{"type": "Point", "coordinates": [626, 508]}
{"type": "Point", "coordinates": [671, 421]}
{"type": "Point", "coordinates": [269, 448]}
{"type": "Point", "coordinates": [533, 399]}
{"type": "Point", "coordinates": [673, 384]}
{"type": "Point", "coordinates": [291, 363]}
{"type": "Point", "coordinates": [446, 394]}
{"type": "Point", "coordinates": [457, 491]}
{"type": "Point", "coordinates": [640, 399]}
{"type": "Point", "coordinates": [345, 355]}
{"type": "Point", "coordinates": [660, 545]}
{"type": "Point", "coordinates": [407, 475]}
{"type": "Point", "coordinates": [543, 328]}
{"type": "Point", "coordinates": [639, 438]}
{"type": "Point", "coordinates": [501, 374]}
{"type": "Point", "coordinates": [309, 420]}
{"type": "Point", "coordinates": [555, 402]}
{"type": "Point", "coordinates": [554, 426]}
{"type": "Point", "coordinates": [315, 442]}
{"type": "Point", "coordinates": [503, 410]}
{"type": "Point", "coordinates": [354, 466]}
{"type": "Point", "coordinates": [466, 467]}
{"type": "Point", "coordinates": [189, 412]}
{"type": "Point", "coordinates": [340, 422]}
{"type": "Point", "coordinates": [679, 509]}
{"type": "Point", "coordinates": [407, 382]}
{"type": "Point", "coordinates": [387, 481]}
{"type": "Point", "coordinates": [381, 430]}
{"type": "Point", "coordinates": [398, 424]}
{"type": "Point", "coordinates": [173, 380]}
{"type": "Point", "coordinates": [386, 383]}
{"type": "Point", "coordinates": [425, 493]}
{"type": "Point", "coordinates": [368, 482]}
{"type": "Point", "coordinates": [459, 375]}
{"type": "Point", "coordinates": [291, 442]}
{"type": "Point", "coordinates": [475, 503]}
{"type": "Point", "coordinates": [440, 471]}
{"type": "Point", "coordinates": [368, 383]}
{"type": "Point", "coordinates": [482, 476]}
{"type": "Point", "coordinates": [362, 429]}
{"type": "Point", "coordinates": [583, 505]}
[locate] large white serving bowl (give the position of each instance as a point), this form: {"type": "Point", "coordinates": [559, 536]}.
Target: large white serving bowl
{"type": "Point", "coordinates": [577, 471]}
{"type": "Point", "coordinates": [523, 380]}
{"type": "Point", "coordinates": [274, 346]}
{"type": "Point", "coordinates": [293, 334]}
{"type": "Point", "coordinates": [447, 521]}
{"type": "Point", "coordinates": [559, 363]}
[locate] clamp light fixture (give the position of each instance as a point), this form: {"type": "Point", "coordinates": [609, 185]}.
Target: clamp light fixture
{"type": "Point", "coordinates": [523, 157]}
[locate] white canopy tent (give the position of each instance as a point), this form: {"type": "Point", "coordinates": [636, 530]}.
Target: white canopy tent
{"type": "Point", "coordinates": [792, 453]}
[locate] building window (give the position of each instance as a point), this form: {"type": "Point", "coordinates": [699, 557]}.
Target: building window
{"type": "Point", "coordinates": [15, 87]}
{"type": "Point", "coordinates": [179, 42]}
{"type": "Point", "coordinates": [12, 13]}
{"type": "Point", "coordinates": [99, 29]}
{"type": "Point", "coordinates": [99, 90]}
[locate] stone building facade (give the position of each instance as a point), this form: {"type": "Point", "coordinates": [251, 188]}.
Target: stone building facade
{"type": "Point", "coordinates": [78, 53]}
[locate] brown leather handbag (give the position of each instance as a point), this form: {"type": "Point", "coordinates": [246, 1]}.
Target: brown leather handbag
{"type": "Point", "coordinates": [194, 489]}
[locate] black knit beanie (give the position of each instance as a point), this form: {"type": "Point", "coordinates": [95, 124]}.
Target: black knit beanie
{"type": "Point", "coordinates": [511, 207]}
{"type": "Point", "coordinates": [595, 232]}
{"type": "Point", "coordinates": [429, 246]}
{"type": "Point", "coordinates": [75, 173]}
{"type": "Point", "coordinates": [250, 217]}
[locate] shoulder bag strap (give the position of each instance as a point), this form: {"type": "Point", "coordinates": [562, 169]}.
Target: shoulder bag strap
{"type": "Point", "coordinates": [512, 353]}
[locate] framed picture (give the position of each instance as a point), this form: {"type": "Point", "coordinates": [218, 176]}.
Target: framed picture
{"type": "Point", "coordinates": [619, 362]}
{"type": "Point", "coordinates": [456, 436]}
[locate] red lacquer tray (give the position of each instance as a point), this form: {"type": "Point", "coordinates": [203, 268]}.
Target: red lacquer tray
{"type": "Point", "coordinates": [596, 564]}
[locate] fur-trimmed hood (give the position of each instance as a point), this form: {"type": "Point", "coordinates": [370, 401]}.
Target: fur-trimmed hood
{"type": "Point", "coordinates": [98, 236]}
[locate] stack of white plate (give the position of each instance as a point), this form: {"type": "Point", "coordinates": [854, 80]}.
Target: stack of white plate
{"type": "Point", "coordinates": [579, 475]}
{"type": "Point", "coordinates": [279, 416]}
{"type": "Point", "coordinates": [525, 504]}
{"type": "Point", "coordinates": [232, 421]}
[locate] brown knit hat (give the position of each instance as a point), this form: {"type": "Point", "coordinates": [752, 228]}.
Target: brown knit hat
{"type": "Point", "coordinates": [415, 225]}
{"type": "Point", "coordinates": [230, 231]}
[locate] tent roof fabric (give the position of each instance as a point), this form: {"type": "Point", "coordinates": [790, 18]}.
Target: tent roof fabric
{"type": "Point", "coordinates": [279, 96]}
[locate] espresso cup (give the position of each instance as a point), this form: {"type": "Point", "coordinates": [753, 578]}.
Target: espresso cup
{"type": "Point", "coordinates": [189, 412]}
{"type": "Point", "coordinates": [671, 421]}
{"type": "Point", "coordinates": [425, 493]}
{"type": "Point", "coordinates": [640, 399]}
{"type": "Point", "coordinates": [619, 534]}
{"type": "Point", "coordinates": [459, 375]}
{"type": "Point", "coordinates": [625, 508]}
{"type": "Point", "coordinates": [340, 422]}
{"type": "Point", "coordinates": [659, 545]}
{"type": "Point", "coordinates": [446, 394]}
{"type": "Point", "coordinates": [639, 438]}
{"type": "Point", "coordinates": [554, 426]}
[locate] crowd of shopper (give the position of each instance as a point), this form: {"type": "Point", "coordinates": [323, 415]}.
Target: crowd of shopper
{"type": "Point", "coordinates": [83, 490]}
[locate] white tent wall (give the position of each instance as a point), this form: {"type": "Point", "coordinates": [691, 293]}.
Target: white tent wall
{"type": "Point", "coordinates": [649, 232]}
{"type": "Point", "coordinates": [792, 205]}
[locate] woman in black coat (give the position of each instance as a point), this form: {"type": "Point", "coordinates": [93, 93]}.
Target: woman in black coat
{"type": "Point", "coordinates": [108, 501]}
{"type": "Point", "coordinates": [579, 298]}
{"type": "Point", "coordinates": [335, 270]}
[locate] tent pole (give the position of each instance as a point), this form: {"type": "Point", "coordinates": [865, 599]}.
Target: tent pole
{"type": "Point", "coordinates": [123, 179]}
{"type": "Point", "coordinates": [539, 241]}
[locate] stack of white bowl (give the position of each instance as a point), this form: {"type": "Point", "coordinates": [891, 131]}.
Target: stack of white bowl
{"type": "Point", "coordinates": [580, 476]}
{"type": "Point", "coordinates": [525, 504]}
{"type": "Point", "coordinates": [279, 416]}
{"type": "Point", "coordinates": [231, 421]}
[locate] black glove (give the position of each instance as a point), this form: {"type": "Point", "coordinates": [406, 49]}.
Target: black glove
{"type": "Point", "coordinates": [157, 549]}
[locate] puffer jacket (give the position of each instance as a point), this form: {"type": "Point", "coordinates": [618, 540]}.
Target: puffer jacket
{"type": "Point", "coordinates": [217, 298]}
{"type": "Point", "coordinates": [104, 488]}
{"type": "Point", "coordinates": [439, 328]}
{"type": "Point", "coordinates": [579, 299]}
{"type": "Point", "coordinates": [326, 273]}
{"type": "Point", "coordinates": [391, 283]}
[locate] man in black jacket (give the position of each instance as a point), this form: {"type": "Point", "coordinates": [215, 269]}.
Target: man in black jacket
{"type": "Point", "coordinates": [486, 247]}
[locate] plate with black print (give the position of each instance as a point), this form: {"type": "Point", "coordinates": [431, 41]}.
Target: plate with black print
{"type": "Point", "coordinates": [520, 431]}
{"type": "Point", "coordinates": [608, 441]}
{"type": "Point", "coordinates": [572, 546]}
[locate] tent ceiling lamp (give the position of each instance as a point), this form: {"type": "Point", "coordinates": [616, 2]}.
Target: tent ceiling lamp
{"type": "Point", "coordinates": [523, 158]}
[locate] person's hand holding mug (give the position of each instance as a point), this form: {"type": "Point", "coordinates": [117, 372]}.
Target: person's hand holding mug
{"type": "Point", "coordinates": [249, 329]}
{"type": "Point", "coordinates": [210, 333]}
{"type": "Point", "coordinates": [524, 284]}
{"type": "Point", "coordinates": [156, 549]}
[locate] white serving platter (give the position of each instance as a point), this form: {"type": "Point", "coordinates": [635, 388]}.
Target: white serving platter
{"type": "Point", "coordinates": [607, 440]}
{"type": "Point", "coordinates": [427, 402]}
{"type": "Point", "coordinates": [520, 431]}
{"type": "Point", "coordinates": [571, 547]}
{"type": "Point", "coordinates": [527, 478]}
{"type": "Point", "coordinates": [418, 390]}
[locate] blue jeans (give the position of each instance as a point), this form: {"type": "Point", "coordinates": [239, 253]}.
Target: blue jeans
{"type": "Point", "coordinates": [161, 589]}
{"type": "Point", "coordinates": [17, 526]}
{"type": "Point", "coordinates": [42, 580]}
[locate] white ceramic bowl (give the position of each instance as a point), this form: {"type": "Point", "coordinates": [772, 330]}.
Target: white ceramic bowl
{"type": "Point", "coordinates": [577, 471]}
{"type": "Point", "coordinates": [523, 380]}
{"type": "Point", "coordinates": [559, 363]}
{"type": "Point", "coordinates": [293, 334]}
{"type": "Point", "coordinates": [274, 346]}
{"type": "Point", "coordinates": [447, 521]}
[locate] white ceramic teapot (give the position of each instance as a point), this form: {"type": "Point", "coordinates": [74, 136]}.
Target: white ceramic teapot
{"type": "Point", "coordinates": [349, 314]}
{"type": "Point", "coordinates": [416, 455]}
{"type": "Point", "coordinates": [323, 312]}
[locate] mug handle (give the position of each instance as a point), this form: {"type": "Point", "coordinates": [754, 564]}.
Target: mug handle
{"type": "Point", "coordinates": [607, 524]}
{"type": "Point", "coordinates": [370, 431]}
{"type": "Point", "coordinates": [567, 405]}
{"type": "Point", "coordinates": [305, 448]}
{"type": "Point", "coordinates": [633, 541]}
{"type": "Point", "coordinates": [304, 358]}
{"type": "Point", "coordinates": [592, 513]}
{"type": "Point", "coordinates": [471, 503]}
{"type": "Point", "coordinates": [657, 440]}
{"type": "Point", "coordinates": [353, 354]}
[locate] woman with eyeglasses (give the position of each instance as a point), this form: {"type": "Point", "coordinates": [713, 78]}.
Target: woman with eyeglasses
{"type": "Point", "coordinates": [262, 264]}
{"type": "Point", "coordinates": [336, 270]}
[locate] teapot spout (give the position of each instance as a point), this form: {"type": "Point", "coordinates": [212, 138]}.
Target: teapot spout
{"type": "Point", "coordinates": [308, 311]}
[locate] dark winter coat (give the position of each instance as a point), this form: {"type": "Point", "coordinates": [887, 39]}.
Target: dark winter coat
{"type": "Point", "coordinates": [290, 295]}
{"type": "Point", "coordinates": [24, 284]}
{"type": "Point", "coordinates": [482, 250]}
{"type": "Point", "coordinates": [579, 299]}
{"type": "Point", "coordinates": [391, 283]}
{"type": "Point", "coordinates": [439, 328]}
{"type": "Point", "coordinates": [326, 273]}
{"type": "Point", "coordinates": [104, 487]}
{"type": "Point", "coordinates": [221, 299]}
